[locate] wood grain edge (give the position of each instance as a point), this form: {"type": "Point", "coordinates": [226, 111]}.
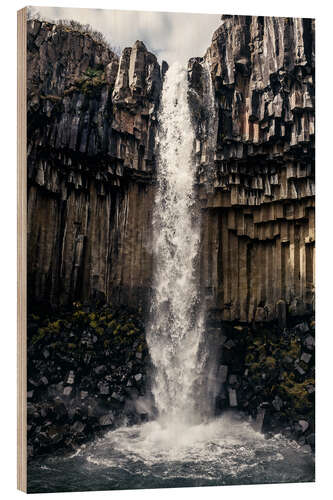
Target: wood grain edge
{"type": "Point", "coordinates": [22, 250]}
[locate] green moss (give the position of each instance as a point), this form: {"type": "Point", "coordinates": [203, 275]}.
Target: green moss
{"type": "Point", "coordinates": [52, 98]}
{"type": "Point", "coordinates": [92, 82]}
{"type": "Point", "coordinates": [294, 349]}
{"type": "Point", "coordinates": [249, 358]}
{"type": "Point", "coordinates": [296, 393]}
{"type": "Point", "coordinates": [270, 363]}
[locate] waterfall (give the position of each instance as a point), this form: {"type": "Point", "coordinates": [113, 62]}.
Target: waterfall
{"type": "Point", "coordinates": [175, 333]}
{"type": "Point", "coordinates": [210, 124]}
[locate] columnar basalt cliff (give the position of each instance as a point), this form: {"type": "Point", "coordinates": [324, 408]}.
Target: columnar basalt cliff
{"type": "Point", "coordinates": [91, 161]}
{"type": "Point", "coordinates": [258, 227]}
{"type": "Point", "coordinates": [91, 132]}
{"type": "Point", "coordinates": [92, 151]}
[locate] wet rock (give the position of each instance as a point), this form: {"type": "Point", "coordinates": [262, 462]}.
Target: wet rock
{"type": "Point", "coordinates": [103, 388]}
{"type": "Point", "coordinates": [46, 353]}
{"type": "Point", "coordinates": [71, 377]}
{"type": "Point", "coordinates": [299, 369]}
{"type": "Point", "coordinates": [67, 390]}
{"type": "Point", "coordinates": [229, 344]}
{"type": "Point", "coordinates": [33, 382]}
{"type": "Point", "coordinates": [222, 374]}
{"type": "Point", "coordinates": [100, 370]}
{"type": "Point", "coordinates": [233, 381]}
{"type": "Point", "coordinates": [303, 327]}
{"type": "Point", "coordinates": [306, 357]}
{"type": "Point", "coordinates": [309, 342]}
{"type": "Point", "coordinates": [117, 397]}
{"type": "Point", "coordinates": [304, 425]}
{"type": "Point", "coordinates": [232, 397]}
{"type": "Point", "coordinates": [78, 427]}
{"type": "Point", "coordinates": [277, 403]}
{"type": "Point", "coordinates": [105, 420]}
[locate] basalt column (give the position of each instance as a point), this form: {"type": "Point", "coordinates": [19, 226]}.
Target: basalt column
{"type": "Point", "coordinates": [91, 140]}
{"type": "Point", "coordinates": [258, 236]}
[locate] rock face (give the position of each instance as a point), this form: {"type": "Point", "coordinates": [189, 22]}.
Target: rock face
{"type": "Point", "coordinates": [91, 132]}
{"type": "Point", "coordinates": [91, 156]}
{"type": "Point", "coordinates": [258, 227]}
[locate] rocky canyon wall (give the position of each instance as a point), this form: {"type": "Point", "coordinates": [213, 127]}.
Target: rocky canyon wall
{"type": "Point", "coordinates": [257, 191]}
{"type": "Point", "coordinates": [92, 120]}
{"type": "Point", "coordinates": [91, 132]}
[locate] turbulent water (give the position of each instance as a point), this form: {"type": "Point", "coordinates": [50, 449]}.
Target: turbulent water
{"type": "Point", "coordinates": [221, 452]}
{"type": "Point", "coordinates": [210, 126]}
{"type": "Point", "coordinates": [185, 445]}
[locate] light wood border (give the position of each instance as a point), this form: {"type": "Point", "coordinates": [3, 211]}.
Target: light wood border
{"type": "Point", "coordinates": [22, 249]}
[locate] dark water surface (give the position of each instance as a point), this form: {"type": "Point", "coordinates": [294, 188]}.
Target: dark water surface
{"type": "Point", "coordinates": [222, 452]}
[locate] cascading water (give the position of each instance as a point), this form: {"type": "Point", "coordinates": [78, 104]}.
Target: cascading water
{"type": "Point", "coordinates": [176, 326]}
{"type": "Point", "coordinates": [211, 122]}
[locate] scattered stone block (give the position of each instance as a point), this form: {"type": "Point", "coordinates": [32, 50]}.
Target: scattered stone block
{"type": "Point", "coordinates": [232, 398]}
{"type": "Point", "coordinates": [223, 373]}
{"type": "Point", "coordinates": [229, 344]}
{"type": "Point", "coordinates": [71, 377]}
{"type": "Point", "coordinates": [309, 342]}
{"type": "Point", "coordinates": [304, 425]}
{"type": "Point", "coordinates": [67, 390]}
{"type": "Point", "coordinates": [306, 357]}
{"type": "Point", "coordinates": [103, 388]}
{"type": "Point", "coordinates": [78, 427]}
{"type": "Point", "coordinates": [303, 327]}
{"type": "Point", "coordinates": [233, 380]}
{"type": "Point", "coordinates": [33, 382]}
{"type": "Point", "coordinates": [106, 420]}
{"type": "Point", "coordinates": [99, 370]}
{"type": "Point", "coordinates": [277, 403]}
{"type": "Point", "coordinates": [299, 368]}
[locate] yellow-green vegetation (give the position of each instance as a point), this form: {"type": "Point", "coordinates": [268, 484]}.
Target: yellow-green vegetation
{"type": "Point", "coordinates": [275, 358]}
{"type": "Point", "coordinates": [111, 325]}
{"type": "Point", "coordinates": [91, 82]}
{"type": "Point", "coordinates": [50, 97]}
{"type": "Point", "coordinates": [296, 392]}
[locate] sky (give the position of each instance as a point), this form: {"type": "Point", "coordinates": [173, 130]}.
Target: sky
{"type": "Point", "coordinates": [170, 36]}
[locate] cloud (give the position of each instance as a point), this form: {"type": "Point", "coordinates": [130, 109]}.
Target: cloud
{"type": "Point", "coordinates": [172, 37]}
